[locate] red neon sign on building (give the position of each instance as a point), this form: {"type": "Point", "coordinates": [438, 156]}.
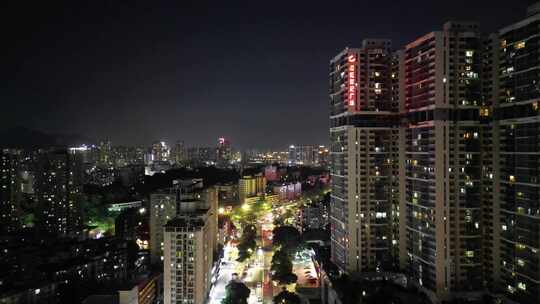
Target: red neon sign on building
{"type": "Point", "coordinates": [352, 80]}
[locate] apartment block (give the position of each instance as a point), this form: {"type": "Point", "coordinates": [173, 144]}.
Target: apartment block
{"type": "Point", "coordinates": [363, 135]}
{"type": "Point", "coordinates": [517, 159]}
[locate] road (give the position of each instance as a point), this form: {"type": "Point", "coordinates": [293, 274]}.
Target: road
{"type": "Point", "coordinates": [255, 272]}
{"type": "Point", "coordinates": [227, 268]}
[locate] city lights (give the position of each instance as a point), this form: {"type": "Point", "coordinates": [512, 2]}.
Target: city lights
{"type": "Point", "coordinates": [164, 154]}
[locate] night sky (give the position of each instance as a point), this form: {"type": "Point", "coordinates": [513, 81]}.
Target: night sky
{"type": "Point", "coordinates": [254, 71]}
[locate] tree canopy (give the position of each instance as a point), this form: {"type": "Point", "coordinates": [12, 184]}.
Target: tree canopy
{"type": "Point", "coordinates": [287, 297]}
{"type": "Point", "coordinates": [281, 268]}
{"type": "Point", "coordinates": [236, 293]}
{"type": "Point", "coordinates": [247, 244]}
{"type": "Point", "coordinates": [287, 237]}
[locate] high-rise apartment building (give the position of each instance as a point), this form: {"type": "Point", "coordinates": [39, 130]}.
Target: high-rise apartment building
{"type": "Point", "coordinates": [160, 152]}
{"type": "Point", "coordinates": [363, 138]}
{"type": "Point", "coordinates": [307, 155]}
{"type": "Point", "coordinates": [464, 211]}
{"type": "Point", "coordinates": [104, 157]}
{"type": "Point", "coordinates": [198, 156]}
{"type": "Point", "coordinates": [321, 156]}
{"type": "Point", "coordinates": [516, 228]}
{"type": "Point", "coordinates": [301, 155]}
{"type": "Point", "coordinates": [223, 152]}
{"type": "Point", "coordinates": [58, 190]}
{"type": "Point", "coordinates": [10, 190]}
{"type": "Point", "coordinates": [178, 153]}
{"type": "Point", "coordinates": [189, 244]}
{"type": "Point", "coordinates": [251, 187]}
{"type": "Point", "coordinates": [164, 207]}
{"type": "Point", "coordinates": [443, 161]}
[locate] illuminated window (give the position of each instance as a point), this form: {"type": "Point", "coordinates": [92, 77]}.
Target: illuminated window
{"type": "Point", "coordinates": [522, 286]}
{"type": "Point", "coordinates": [520, 262]}
{"type": "Point", "coordinates": [380, 214]}
{"type": "Point", "coordinates": [484, 111]}
{"type": "Point", "coordinates": [469, 53]}
{"type": "Point", "coordinates": [520, 45]}
{"type": "Point", "coordinates": [504, 227]}
{"type": "Point", "coordinates": [469, 253]}
{"type": "Point", "coordinates": [512, 178]}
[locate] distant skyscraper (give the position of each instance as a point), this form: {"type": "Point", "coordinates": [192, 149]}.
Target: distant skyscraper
{"type": "Point", "coordinates": [223, 152]}
{"type": "Point", "coordinates": [160, 151]}
{"type": "Point", "coordinates": [308, 155]}
{"type": "Point", "coordinates": [10, 190]}
{"type": "Point", "coordinates": [200, 156]}
{"type": "Point", "coordinates": [363, 138]}
{"type": "Point", "coordinates": [321, 156]}
{"type": "Point", "coordinates": [301, 155]}
{"type": "Point", "coordinates": [58, 189]}
{"type": "Point", "coordinates": [179, 154]}
{"type": "Point", "coordinates": [104, 154]}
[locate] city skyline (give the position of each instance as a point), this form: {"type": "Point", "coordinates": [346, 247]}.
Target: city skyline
{"type": "Point", "coordinates": [332, 153]}
{"type": "Point", "coordinates": [139, 73]}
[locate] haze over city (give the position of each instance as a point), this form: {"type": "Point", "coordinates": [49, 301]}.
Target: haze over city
{"type": "Point", "coordinates": [194, 70]}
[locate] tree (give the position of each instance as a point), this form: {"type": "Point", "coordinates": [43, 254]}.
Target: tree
{"type": "Point", "coordinates": [246, 247]}
{"type": "Point", "coordinates": [247, 244]}
{"type": "Point", "coordinates": [287, 237]}
{"type": "Point", "coordinates": [287, 297]}
{"type": "Point", "coordinates": [281, 268]}
{"type": "Point", "coordinates": [236, 293]}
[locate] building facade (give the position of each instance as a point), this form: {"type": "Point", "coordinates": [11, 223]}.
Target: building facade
{"type": "Point", "coordinates": [462, 199]}
{"type": "Point", "coordinates": [224, 153]}
{"type": "Point", "coordinates": [363, 138]}
{"type": "Point", "coordinates": [58, 189]}
{"type": "Point", "coordinates": [10, 190]}
{"type": "Point", "coordinates": [516, 228]}
{"type": "Point", "coordinates": [162, 209]}
{"type": "Point", "coordinates": [189, 245]}
{"type": "Point", "coordinates": [251, 187]}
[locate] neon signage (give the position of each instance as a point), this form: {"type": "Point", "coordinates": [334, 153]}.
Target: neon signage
{"type": "Point", "coordinates": [352, 80]}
